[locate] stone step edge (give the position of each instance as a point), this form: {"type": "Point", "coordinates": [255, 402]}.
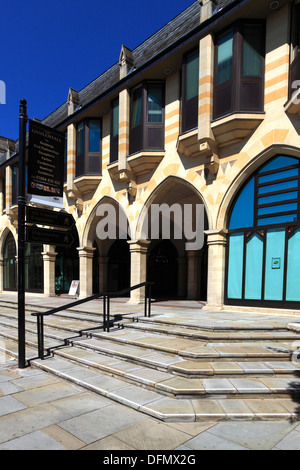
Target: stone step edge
{"type": "Point", "coordinates": [260, 335]}
{"type": "Point", "coordinates": [81, 342]}
{"type": "Point", "coordinates": [141, 318]}
{"type": "Point", "coordinates": [189, 410]}
{"type": "Point", "coordinates": [174, 368]}
{"type": "Point", "coordinates": [216, 407]}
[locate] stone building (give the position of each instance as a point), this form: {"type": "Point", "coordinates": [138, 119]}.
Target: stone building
{"type": "Point", "coordinates": [204, 113]}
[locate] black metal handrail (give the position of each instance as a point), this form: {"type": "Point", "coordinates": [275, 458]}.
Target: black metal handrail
{"type": "Point", "coordinates": [106, 310]}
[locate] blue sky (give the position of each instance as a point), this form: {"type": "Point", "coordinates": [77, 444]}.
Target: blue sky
{"type": "Point", "coordinates": [49, 46]}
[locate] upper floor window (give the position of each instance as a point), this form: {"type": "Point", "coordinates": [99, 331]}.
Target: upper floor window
{"type": "Point", "coordinates": [114, 131]}
{"type": "Point", "coordinates": [239, 69]}
{"type": "Point", "coordinates": [88, 147]}
{"type": "Point", "coordinates": [190, 86]}
{"type": "Point", "coordinates": [147, 117]}
{"type": "Point", "coordinates": [295, 50]}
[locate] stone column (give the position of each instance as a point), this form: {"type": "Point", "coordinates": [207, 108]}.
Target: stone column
{"type": "Point", "coordinates": [86, 254]}
{"type": "Point", "coordinates": [71, 160]}
{"type": "Point", "coordinates": [49, 257]}
{"type": "Point", "coordinates": [124, 122]}
{"type": "Point", "coordinates": [138, 268]}
{"type": "Point", "coordinates": [216, 241]}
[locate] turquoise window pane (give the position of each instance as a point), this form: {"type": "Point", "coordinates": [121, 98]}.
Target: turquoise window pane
{"type": "Point", "coordinates": [274, 264]}
{"type": "Point", "coordinates": [281, 219]}
{"type": "Point", "coordinates": [254, 265]}
{"type": "Point", "coordinates": [192, 75]}
{"type": "Point", "coordinates": [279, 162]}
{"type": "Point", "coordinates": [293, 268]}
{"type": "Point", "coordinates": [80, 139]}
{"type": "Point", "coordinates": [155, 97]}
{"type": "Point", "coordinates": [235, 266]}
{"type": "Point", "coordinates": [94, 136]}
{"type": "Point", "coordinates": [251, 50]}
{"type": "Point", "coordinates": [280, 208]}
{"type": "Point", "coordinates": [278, 197]}
{"type": "Point", "coordinates": [137, 108]}
{"type": "Point", "coordinates": [278, 176]}
{"type": "Point", "coordinates": [278, 187]}
{"type": "Point", "coordinates": [243, 211]}
{"type": "Point", "coordinates": [115, 118]}
{"type": "Point", "coordinates": [225, 54]}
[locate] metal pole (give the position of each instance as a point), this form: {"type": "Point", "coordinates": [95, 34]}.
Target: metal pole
{"type": "Point", "coordinates": [21, 234]}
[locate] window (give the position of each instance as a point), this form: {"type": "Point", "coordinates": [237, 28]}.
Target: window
{"type": "Point", "coordinates": [114, 131]}
{"type": "Point", "coordinates": [264, 237]}
{"type": "Point", "coordinates": [190, 86]}
{"type": "Point", "coordinates": [88, 147]}
{"type": "Point", "coordinates": [147, 117]}
{"type": "Point", "coordinates": [239, 69]}
{"type": "Point", "coordinates": [295, 49]}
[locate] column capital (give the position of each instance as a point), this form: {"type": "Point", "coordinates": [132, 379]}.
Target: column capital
{"type": "Point", "coordinates": [86, 251]}
{"type": "Point", "coordinates": [216, 237]}
{"type": "Point", "coordinates": [138, 245]}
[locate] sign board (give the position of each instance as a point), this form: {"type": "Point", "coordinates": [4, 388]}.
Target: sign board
{"type": "Point", "coordinates": [50, 218]}
{"type": "Point", "coordinates": [74, 288]}
{"type": "Point", "coordinates": [49, 236]}
{"type": "Point", "coordinates": [45, 165]}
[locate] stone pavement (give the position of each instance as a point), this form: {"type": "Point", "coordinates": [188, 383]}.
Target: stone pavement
{"type": "Point", "coordinates": [39, 411]}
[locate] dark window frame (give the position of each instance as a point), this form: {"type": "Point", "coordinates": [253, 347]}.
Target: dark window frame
{"type": "Point", "coordinates": [146, 136]}
{"type": "Point", "coordinates": [189, 115]}
{"type": "Point", "coordinates": [114, 138]}
{"type": "Point", "coordinates": [241, 93]}
{"type": "Point", "coordinates": [88, 163]}
{"type": "Point", "coordinates": [294, 48]}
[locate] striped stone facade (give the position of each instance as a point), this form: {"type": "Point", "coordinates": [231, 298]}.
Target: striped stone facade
{"type": "Point", "coordinates": [208, 164]}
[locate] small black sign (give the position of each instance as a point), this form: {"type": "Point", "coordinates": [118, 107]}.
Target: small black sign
{"type": "Point", "coordinates": [45, 160]}
{"type": "Point", "coordinates": [49, 236]}
{"type": "Point", "coordinates": [50, 218]}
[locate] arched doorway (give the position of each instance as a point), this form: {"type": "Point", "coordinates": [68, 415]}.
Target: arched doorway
{"type": "Point", "coordinates": [163, 269]}
{"type": "Point", "coordinates": [263, 252]}
{"type": "Point", "coordinates": [34, 268]}
{"type": "Point", "coordinates": [175, 222]}
{"type": "Point", "coordinates": [9, 263]}
{"type": "Point", "coordinates": [118, 268]}
{"type": "Point", "coordinates": [66, 266]}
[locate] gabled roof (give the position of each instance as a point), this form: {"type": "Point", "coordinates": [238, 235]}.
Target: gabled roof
{"type": "Point", "coordinates": [174, 30]}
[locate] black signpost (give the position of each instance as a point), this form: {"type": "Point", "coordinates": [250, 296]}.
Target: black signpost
{"type": "Point", "coordinates": [36, 215]}
{"type": "Point", "coordinates": [21, 234]}
{"type": "Point", "coordinates": [45, 162]}
{"type": "Point", "coordinates": [48, 236]}
{"type": "Point", "coordinates": [45, 178]}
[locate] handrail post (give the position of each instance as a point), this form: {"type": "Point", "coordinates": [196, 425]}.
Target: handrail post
{"type": "Point", "coordinates": [104, 313]}
{"type": "Point", "coordinates": [40, 328]}
{"type": "Point", "coordinates": [146, 297]}
{"type": "Point", "coordinates": [108, 306]}
{"type": "Point", "coordinates": [149, 300]}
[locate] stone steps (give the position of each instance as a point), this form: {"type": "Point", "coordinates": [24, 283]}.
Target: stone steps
{"type": "Point", "coordinates": [167, 370]}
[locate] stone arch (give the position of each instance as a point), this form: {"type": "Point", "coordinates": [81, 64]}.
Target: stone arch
{"type": "Point", "coordinates": [175, 194]}
{"type": "Point", "coordinates": [159, 192]}
{"type": "Point", "coordinates": [242, 176]}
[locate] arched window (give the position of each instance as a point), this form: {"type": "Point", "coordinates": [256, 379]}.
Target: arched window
{"type": "Point", "coordinates": [9, 263]}
{"type": "Point", "coordinates": [264, 239]}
